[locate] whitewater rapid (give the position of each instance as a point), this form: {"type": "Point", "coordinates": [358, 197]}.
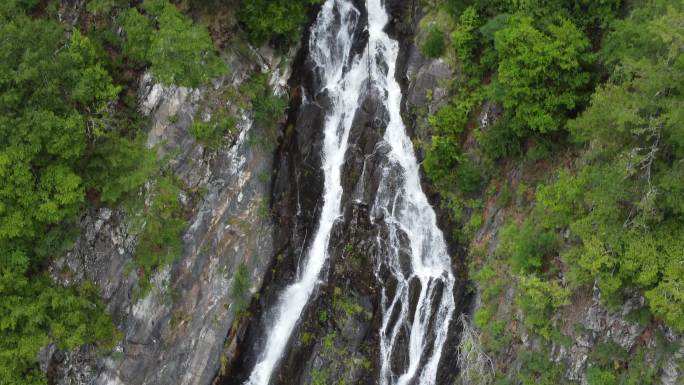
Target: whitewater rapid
{"type": "Point", "coordinates": [403, 209]}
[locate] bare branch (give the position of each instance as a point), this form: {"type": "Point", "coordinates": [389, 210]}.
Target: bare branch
{"type": "Point", "coordinates": [476, 366]}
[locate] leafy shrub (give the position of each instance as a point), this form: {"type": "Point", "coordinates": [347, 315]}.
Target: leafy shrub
{"type": "Point", "coordinates": [103, 7]}
{"type": "Point", "coordinates": [539, 299]}
{"type": "Point", "coordinates": [434, 43]}
{"type": "Point", "coordinates": [268, 107]}
{"type": "Point", "coordinates": [527, 245]}
{"type": "Point", "coordinates": [495, 336]}
{"type": "Point", "coordinates": [211, 133]}
{"type": "Point", "coordinates": [139, 33]}
{"type": "Point", "coordinates": [444, 163]}
{"type": "Point", "coordinates": [609, 354]}
{"type": "Point", "coordinates": [560, 201]}
{"type": "Point", "coordinates": [537, 369]}
{"type": "Point", "coordinates": [498, 141]}
{"type": "Point", "coordinates": [640, 371]}
{"type": "Point", "coordinates": [465, 38]}
{"type": "Point", "coordinates": [319, 377]}
{"type": "Point", "coordinates": [160, 241]}
{"type": "Point", "coordinates": [119, 166]}
{"type": "Point", "coordinates": [240, 289]}
{"type": "Point", "coordinates": [597, 376]}
{"type": "Point", "coordinates": [489, 57]}
{"type": "Point", "coordinates": [33, 313]}
{"type": "Point", "coordinates": [266, 20]}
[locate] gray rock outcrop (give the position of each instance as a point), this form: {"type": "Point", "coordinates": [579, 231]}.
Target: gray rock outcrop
{"type": "Point", "coordinates": [176, 333]}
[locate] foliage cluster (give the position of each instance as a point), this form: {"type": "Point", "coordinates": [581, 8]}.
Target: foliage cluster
{"type": "Point", "coordinates": [624, 203]}
{"type": "Point", "coordinates": [434, 43]}
{"type": "Point", "coordinates": [240, 289]}
{"type": "Point", "coordinates": [55, 96]}
{"type": "Point", "coordinates": [268, 107]}
{"type": "Point", "coordinates": [267, 20]}
{"type": "Point", "coordinates": [494, 329]}
{"type": "Point", "coordinates": [179, 52]}
{"type": "Point", "coordinates": [600, 80]}
{"type": "Point", "coordinates": [69, 137]}
{"type": "Point", "coordinates": [537, 369]}
{"type": "Point", "coordinates": [212, 133]}
{"type": "Point", "coordinates": [160, 229]}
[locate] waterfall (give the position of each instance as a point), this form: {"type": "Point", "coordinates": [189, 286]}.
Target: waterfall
{"type": "Point", "coordinates": [330, 50]}
{"type": "Point", "coordinates": [403, 207]}
{"type": "Point", "coordinates": [400, 205]}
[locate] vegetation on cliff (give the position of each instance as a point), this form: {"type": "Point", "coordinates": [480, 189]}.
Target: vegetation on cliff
{"type": "Point", "coordinates": [267, 20]}
{"type": "Point", "coordinates": [71, 138]}
{"type": "Point", "coordinates": [592, 94]}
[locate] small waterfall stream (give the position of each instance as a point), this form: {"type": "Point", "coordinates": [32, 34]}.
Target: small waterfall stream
{"type": "Point", "coordinates": [400, 207]}
{"type": "Point", "coordinates": [403, 207]}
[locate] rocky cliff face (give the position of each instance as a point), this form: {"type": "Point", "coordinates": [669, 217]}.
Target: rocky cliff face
{"type": "Point", "coordinates": [176, 333]}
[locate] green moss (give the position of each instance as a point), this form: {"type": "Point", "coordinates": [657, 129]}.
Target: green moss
{"type": "Point", "coordinates": [319, 377]}
{"type": "Point", "coordinates": [307, 338]}
{"type": "Point", "coordinates": [346, 304]}
{"type": "Point", "coordinates": [329, 342]}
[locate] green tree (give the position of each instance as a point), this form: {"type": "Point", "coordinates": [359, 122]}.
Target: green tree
{"type": "Point", "coordinates": [55, 95]}
{"type": "Point", "coordinates": [623, 203]}
{"type": "Point", "coordinates": [265, 20]}
{"type": "Point", "coordinates": [51, 101]}
{"type": "Point", "coordinates": [139, 33]}
{"type": "Point", "coordinates": [528, 244]}
{"type": "Point", "coordinates": [541, 73]}
{"type": "Point", "coordinates": [465, 37]}
{"type": "Point", "coordinates": [117, 165]}
{"type": "Point", "coordinates": [182, 53]}
{"type": "Point", "coordinates": [539, 299]}
{"type": "Point", "coordinates": [33, 313]}
{"type": "Point", "coordinates": [179, 51]}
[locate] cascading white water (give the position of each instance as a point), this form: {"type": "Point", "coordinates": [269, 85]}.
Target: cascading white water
{"type": "Point", "coordinates": [330, 50]}
{"type": "Point", "coordinates": [403, 206]}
